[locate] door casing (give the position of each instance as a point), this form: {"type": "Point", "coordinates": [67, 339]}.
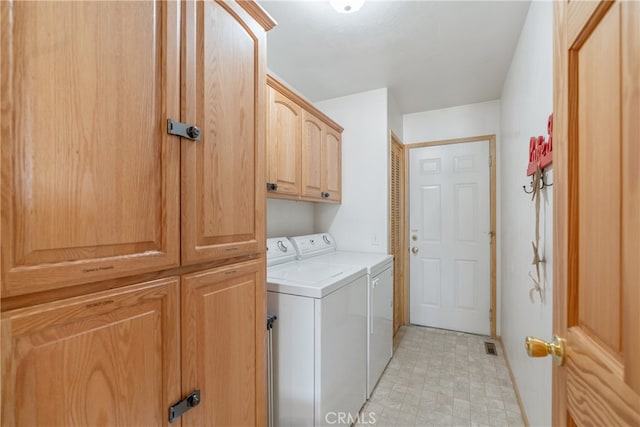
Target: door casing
{"type": "Point", "coordinates": [404, 227]}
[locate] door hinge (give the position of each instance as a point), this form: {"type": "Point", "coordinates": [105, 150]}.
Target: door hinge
{"type": "Point", "coordinates": [179, 408]}
{"type": "Point", "coordinates": [490, 161]}
{"type": "Point", "coordinates": [183, 130]}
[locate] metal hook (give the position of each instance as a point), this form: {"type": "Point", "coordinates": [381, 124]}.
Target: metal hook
{"type": "Point", "coordinates": [543, 183]}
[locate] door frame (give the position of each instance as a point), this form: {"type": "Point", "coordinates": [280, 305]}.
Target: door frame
{"type": "Point", "coordinates": [492, 178]}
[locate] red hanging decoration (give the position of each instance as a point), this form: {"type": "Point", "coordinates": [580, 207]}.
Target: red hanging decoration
{"type": "Point", "coordinates": [541, 151]}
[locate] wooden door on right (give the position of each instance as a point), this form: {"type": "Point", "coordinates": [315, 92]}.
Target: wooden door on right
{"type": "Point", "coordinates": [597, 212]}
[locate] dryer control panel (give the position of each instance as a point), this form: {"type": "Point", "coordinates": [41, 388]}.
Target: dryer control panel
{"type": "Point", "coordinates": [313, 245]}
{"type": "Point", "coordinates": [280, 250]}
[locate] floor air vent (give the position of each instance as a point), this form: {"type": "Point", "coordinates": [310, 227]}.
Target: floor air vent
{"type": "Point", "coordinates": [490, 348]}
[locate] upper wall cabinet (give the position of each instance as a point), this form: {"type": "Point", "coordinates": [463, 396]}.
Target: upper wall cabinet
{"type": "Point", "coordinates": [283, 135]}
{"type": "Point", "coordinates": [90, 177]}
{"type": "Point", "coordinates": [304, 148]}
{"type": "Point", "coordinates": [332, 164]}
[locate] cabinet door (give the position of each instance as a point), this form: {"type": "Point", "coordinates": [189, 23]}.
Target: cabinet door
{"type": "Point", "coordinates": [223, 174]}
{"type": "Point", "coordinates": [283, 143]}
{"type": "Point", "coordinates": [312, 137]}
{"type": "Point", "coordinates": [333, 165]}
{"type": "Point", "coordinates": [224, 336]}
{"type": "Point", "coordinates": [90, 178]}
{"type": "Point", "coordinates": [110, 358]}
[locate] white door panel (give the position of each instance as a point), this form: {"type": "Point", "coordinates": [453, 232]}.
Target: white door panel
{"type": "Point", "coordinates": [450, 241]}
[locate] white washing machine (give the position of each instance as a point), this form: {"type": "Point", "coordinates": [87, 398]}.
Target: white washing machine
{"type": "Point", "coordinates": [319, 339]}
{"type": "Point", "coordinates": [379, 298]}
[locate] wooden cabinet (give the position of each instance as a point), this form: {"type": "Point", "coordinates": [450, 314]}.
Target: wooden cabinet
{"type": "Point", "coordinates": [223, 173]}
{"type": "Point", "coordinates": [313, 135]}
{"type": "Point", "coordinates": [92, 183]}
{"type": "Point", "coordinates": [332, 164]}
{"type": "Point", "coordinates": [90, 177]}
{"type": "Point", "coordinates": [305, 149]}
{"type": "Point", "coordinates": [111, 358]}
{"type": "Point", "coordinates": [321, 160]}
{"type": "Point", "coordinates": [103, 211]}
{"type": "Point", "coordinates": [224, 345]}
{"type": "Point", "coordinates": [283, 144]}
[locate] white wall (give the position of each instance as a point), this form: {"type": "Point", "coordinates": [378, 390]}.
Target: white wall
{"type": "Point", "coordinates": [462, 122]}
{"type": "Point", "coordinates": [394, 116]}
{"type": "Point", "coordinates": [456, 122]}
{"type": "Point", "coordinates": [360, 222]}
{"type": "Point", "coordinates": [289, 218]}
{"type": "Point", "coordinates": [527, 101]}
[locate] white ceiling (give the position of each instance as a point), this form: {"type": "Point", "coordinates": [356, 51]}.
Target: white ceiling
{"type": "Point", "coordinates": [430, 54]}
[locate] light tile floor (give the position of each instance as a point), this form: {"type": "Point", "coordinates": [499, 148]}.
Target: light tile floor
{"type": "Point", "coordinates": [442, 378]}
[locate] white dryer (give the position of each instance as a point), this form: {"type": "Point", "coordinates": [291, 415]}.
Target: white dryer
{"type": "Point", "coordinates": [319, 339]}
{"type": "Point", "coordinates": [379, 298]}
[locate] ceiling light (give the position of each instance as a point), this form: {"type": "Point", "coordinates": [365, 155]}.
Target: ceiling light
{"type": "Point", "coordinates": [346, 6]}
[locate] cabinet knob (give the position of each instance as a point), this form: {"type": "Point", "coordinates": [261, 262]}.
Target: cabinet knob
{"type": "Point", "coordinates": [325, 195]}
{"type": "Point", "coordinates": [271, 186]}
{"type": "Point", "coordinates": [193, 132]}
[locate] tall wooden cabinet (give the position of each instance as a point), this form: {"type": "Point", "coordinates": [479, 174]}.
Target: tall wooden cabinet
{"type": "Point", "coordinates": [132, 264]}
{"type": "Point", "coordinates": [304, 149]}
{"type": "Point", "coordinates": [90, 177]}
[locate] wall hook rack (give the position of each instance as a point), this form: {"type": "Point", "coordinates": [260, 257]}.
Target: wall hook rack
{"type": "Point", "coordinates": [542, 182]}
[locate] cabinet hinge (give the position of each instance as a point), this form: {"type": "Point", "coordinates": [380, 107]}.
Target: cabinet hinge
{"type": "Point", "coordinates": [183, 130]}
{"type": "Point", "coordinates": [179, 408]}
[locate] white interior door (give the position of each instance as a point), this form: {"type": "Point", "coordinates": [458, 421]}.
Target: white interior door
{"type": "Point", "coordinates": [450, 236]}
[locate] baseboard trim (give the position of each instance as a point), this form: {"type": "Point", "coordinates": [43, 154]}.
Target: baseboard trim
{"type": "Point", "coordinates": [515, 385]}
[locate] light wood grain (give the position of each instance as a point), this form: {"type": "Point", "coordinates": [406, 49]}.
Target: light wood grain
{"type": "Point", "coordinates": [596, 220]}
{"type": "Point", "coordinates": [599, 198]}
{"type": "Point", "coordinates": [224, 93]}
{"type": "Point", "coordinates": [332, 165]}
{"type": "Point", "coordinates": [312, 156]}
{"type": "Point", "coordinates": [631, 189]}
{"type": "Point", "coordinates": [596, 391]}
{"type": "Point", "coordinates": [90, 184]}
{"type": "Point", "coordinates": [313, 140]}
{"type": "Point", "coordinates": [494, 236]}
{"type": "Point", "coordinates": [397, 225]}
{"type": "Point", "coordinates": [258, 13]}
{"type": "Point", "coordinates": [284, 132]}
{"type": "Point", "coordinates": [559, 413]}
{"type": "Point", "coordinates": [110, 358]}
{"type": "Point", "coordinates": [578, 14]}
{"type": "Point", "coordinates": [223, 345]}
{"type": "Point", "coordinates": [303, 103]}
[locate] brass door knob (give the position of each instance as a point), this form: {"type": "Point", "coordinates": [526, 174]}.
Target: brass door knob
{"type": "Point", "coordinates": [415, 250]}
{"type": "Point", "coordinates": [539, 348]}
